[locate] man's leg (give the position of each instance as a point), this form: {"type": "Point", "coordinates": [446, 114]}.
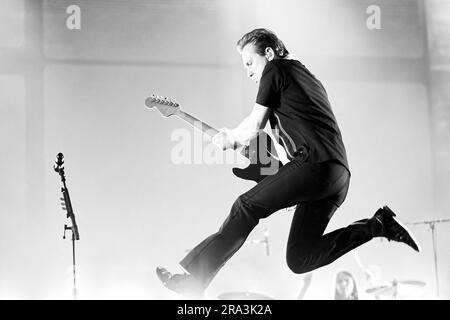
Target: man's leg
{"type": "Point", "coordinates": [267, 197]}
{"type": "Point", "coordinates": [296, 181]}
{"type": "Point", "coordinates": [309, 249]}
{"type": "Point", "coordinates": [320, 189]}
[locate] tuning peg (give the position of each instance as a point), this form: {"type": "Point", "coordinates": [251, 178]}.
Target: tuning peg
{"type": "Point", "coordinates": [162, 100]}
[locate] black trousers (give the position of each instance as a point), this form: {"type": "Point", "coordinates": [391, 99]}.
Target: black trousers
{"type": "Point", "coordinates": [317, 190]}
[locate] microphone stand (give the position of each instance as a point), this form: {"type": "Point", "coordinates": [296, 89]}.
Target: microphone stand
{"type": "Point", "coordinates": [264, 241]}
{"type": "Point", "coordinates": [432, 224]}
{"type": "Point", "coordinates": [67, 206]}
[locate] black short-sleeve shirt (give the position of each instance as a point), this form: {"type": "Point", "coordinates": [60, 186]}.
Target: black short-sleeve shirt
{"type": "Point", "coordinates": [302, 116]}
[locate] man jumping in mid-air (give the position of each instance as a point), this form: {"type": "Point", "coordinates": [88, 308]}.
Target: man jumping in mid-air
{"type": "Point", "coordinates": [316, 178]}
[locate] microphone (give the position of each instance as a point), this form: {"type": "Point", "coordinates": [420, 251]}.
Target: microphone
{"type": "Point", "coordinates": [59, 162]}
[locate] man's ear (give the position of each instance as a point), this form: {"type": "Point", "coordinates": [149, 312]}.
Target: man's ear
{"type": "Point", "coordinates": [269, 53]}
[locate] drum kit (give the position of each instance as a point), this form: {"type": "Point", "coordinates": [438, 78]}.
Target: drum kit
{"type": "Point", "coordinates": [395, 289]}
{"type": "Point", "coordinates": [392, 290]}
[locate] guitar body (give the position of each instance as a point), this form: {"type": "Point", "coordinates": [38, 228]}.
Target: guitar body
{"type": "Point", "coordinates": [261, 151]}
{"type": "Point", "coordinates": [263, 162]}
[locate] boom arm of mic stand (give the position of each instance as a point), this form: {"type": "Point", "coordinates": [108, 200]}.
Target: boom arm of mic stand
{"type": "Point", "coordinates": [428, 222]}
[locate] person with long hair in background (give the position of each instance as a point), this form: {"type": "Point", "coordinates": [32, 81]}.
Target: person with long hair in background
{"type": "Point", "coordinates": [345, 286]}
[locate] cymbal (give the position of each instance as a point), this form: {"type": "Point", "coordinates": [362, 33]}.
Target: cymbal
{"type": "Point", "coordinates": [238, 295]}
{"type": "Point", "coordinates": [377, 289]}
{"type": "Point", "coordinates": [392, 286]}
{"type": "Point", "coordinates": [413, 282]}
{"type": "Point", "coordinates": [383, 290]}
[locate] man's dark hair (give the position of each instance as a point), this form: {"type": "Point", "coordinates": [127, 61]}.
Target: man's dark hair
{"type": "Point", "coordinates": [262, 39]}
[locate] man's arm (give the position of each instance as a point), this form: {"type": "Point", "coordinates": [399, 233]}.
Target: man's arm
{"type": "Point", "coordinates": [245, 131]}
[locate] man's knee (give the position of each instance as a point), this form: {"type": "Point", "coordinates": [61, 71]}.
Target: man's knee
{"type": "Point", "coordinates": [298, 261]}
{"type": "Point", "coordinates": [241, 203]}
{"type": "Point", "coordinates": [242, 206]}
{"type": "Point", "coordinates": [245, 207]}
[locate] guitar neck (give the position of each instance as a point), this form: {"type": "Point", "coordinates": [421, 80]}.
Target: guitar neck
{"type": "Point", "coordinates": [205, 128]}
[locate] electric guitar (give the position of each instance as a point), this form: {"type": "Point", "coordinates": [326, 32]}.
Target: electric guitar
{"type": "Point", "coordinates": [260, 151]}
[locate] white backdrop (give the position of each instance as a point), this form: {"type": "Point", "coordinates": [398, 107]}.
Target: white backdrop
{"type": "Point", "coordinates": [136, 209]}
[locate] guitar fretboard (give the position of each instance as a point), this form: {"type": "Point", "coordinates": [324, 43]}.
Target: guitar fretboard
{"type": "Point", "coordinates": [204, 127]}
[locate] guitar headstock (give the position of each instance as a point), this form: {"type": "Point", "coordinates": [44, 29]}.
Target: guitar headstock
{"type": "Point", "coordinates": [167, 107]}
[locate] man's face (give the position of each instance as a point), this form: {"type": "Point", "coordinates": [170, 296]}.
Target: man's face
{"type": "Point", "coordinates": [253, 63]}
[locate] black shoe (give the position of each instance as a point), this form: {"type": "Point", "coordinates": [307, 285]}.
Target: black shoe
{"type": "Point", "coordinates": [184, 283]}
{"type": "Point", "coordinates": [392, 229]}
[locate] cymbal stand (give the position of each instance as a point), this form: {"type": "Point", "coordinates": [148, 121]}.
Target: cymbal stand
{"type": "Point", "coordinates": [432, 224]}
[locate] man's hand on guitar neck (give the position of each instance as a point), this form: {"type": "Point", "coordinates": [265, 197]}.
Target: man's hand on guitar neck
{"type": "Point", "coordinates": [225, 139]}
